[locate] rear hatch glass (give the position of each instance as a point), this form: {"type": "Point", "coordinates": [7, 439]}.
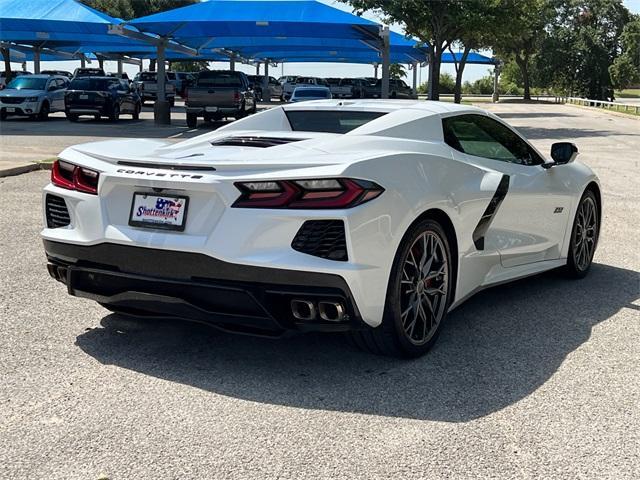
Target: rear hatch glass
{"type": "Point", "coordinates": [329, 121]}
{"type": "Point", "coordinates": [92, 84]}
{"type": "Point", "coordinates": [219, 79]}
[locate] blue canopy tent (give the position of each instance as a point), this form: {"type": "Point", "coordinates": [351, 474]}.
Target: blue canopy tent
{"type": "Point", "coordinates": [63, 26]}
{"type": "Point", "coordinates": [240, 22]}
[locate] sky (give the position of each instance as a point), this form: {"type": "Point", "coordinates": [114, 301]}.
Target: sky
{"type": "Point", "coordinates": [471, 72]}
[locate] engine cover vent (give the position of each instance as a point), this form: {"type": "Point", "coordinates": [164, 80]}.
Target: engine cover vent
{"type": "Point", "coordinates": [257, 142]}
{"type": "Point", "coordinates": [322, 238]}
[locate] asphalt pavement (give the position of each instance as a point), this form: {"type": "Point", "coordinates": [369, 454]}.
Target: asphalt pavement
{"type": "Point", "coordinates": [536, 379]}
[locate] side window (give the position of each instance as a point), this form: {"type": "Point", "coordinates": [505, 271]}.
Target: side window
{"type": "Point", "coordinates": [484, 137]}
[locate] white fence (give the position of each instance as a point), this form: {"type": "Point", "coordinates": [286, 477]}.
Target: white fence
{"type": "Point", "coordinates": [617, 106]}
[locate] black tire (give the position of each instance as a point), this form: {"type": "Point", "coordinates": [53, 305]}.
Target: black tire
{"type": "Point", "coordinates": [254, 109]}
{"type": "Point", "coordinates": [241, 112]}
{"type": "Point", "coordinates": [172, 102]}
{"type": "Point", "coordinates": [3, 115]}
{"type": "Point", "coordinates": [72, 117]}
{"type": "Point", "coordinates": [584, 236]}
{"type": "Point", "coordinates": [192, 120]}
{"type": "Point", "coordinates": [114, 116]}
{"type": "Point", "coordinates": [44, 111]}
{"type": "Point", "coordinates": [96, 117]}
{"type": "Point", "coordinates": [391, 338]}
{"type": "Point", "coordinates": [136, 111]}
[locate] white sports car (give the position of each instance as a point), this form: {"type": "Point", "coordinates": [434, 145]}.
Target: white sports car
{"type": "Point", "coordinates": [371, 217]}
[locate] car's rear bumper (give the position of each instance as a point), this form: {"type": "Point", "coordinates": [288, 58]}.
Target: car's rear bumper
{"type": "Point", "coordinates": [198, 287]}
{"type": "Point", "coordinates": [227, 110]}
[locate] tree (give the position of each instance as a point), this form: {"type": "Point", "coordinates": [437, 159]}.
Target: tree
{"type": "Point", "coordinates": [521, 31]}
{"type": "Point", "coordinates": [583, 41]}
{"type": "Point", "coordinates": [115, 8]}
{"type": "Point", "coordinates": [189, 66]}
{"type": "Point", "coordinates": [437, 23]}
{"type": "Point", "coordinates": [479, 21]}
{"type": "Point", "coordinates": [397, 71]}
{"type": "Point", "coordinates": [625, 70]}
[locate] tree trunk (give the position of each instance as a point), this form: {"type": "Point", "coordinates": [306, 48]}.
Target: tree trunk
{"type": "Point", "coordinates": [152, 65]}
{"type": "Point", "coordinates": [457, 92]}
{"type": "Point", "coordinates": [523, 63]}
{"type": "Point", "coordinates": [7, 64]}
{"type": "Point", "coordinates": [435, 59]}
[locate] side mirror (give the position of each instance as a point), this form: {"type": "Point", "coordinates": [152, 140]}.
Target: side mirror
{"type": "Point", "coordinates": [563, 153]}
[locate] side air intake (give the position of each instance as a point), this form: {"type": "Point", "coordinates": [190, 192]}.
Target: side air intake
{"type": "Point", "coordinates": [56, 212]}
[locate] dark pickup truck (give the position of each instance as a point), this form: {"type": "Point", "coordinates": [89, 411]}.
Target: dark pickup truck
{"type": "Point", "coordinates": [397, 89]}
{"type": "Point", "coordinates": [218, 94]}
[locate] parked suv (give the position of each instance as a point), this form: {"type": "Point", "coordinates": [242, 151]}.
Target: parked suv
{"type": "Point", "coordinates": [34, 96]}
{"type": "Point", "coordinates": [101, 97]}
{"type": "Point", "coordinates": [355, 85]}
{"type": "Point", "coordinates": [147, 85]}
{"type": "Point", "coordinates": [218, 94]}
{"type": "Point", "coordinates": [397, 89]}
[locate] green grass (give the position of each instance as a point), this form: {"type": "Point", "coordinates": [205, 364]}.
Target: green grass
{"type": "Point", "coordinates": [629, 93]}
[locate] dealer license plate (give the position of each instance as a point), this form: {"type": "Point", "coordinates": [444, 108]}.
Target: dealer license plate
{"type": "Point", "coordinates": [210, 109]}
{"type": "Point", "coordinates": [84, 97]}
{"type": "Point", "coordinates": [10, 110]}
{"type": "Point", "coordinates": [158, 211]}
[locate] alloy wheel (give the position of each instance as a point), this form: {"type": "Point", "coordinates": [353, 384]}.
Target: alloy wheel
{"type": "Point", "coordinates": [586, 234]}
{"type": "Point", "coordinates": [424, 288]}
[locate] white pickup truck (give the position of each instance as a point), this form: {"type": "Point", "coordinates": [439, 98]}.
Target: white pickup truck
{"type": "Point", "coordinates": [338, 89]}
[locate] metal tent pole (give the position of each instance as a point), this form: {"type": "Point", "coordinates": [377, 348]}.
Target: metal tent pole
{"type": "Point", "coordinates": [266, 96]}
{"type": "Point", "coordinates": [258, 68]}
{"type": "Point", "coordinates": [83, 62]}
{"type": "Point", "coordinates": [384, 34]}
{"type": "Point", "coordinates": [416, 65]}
{"type": "Point", "coordinates": [120, 66]}
{"type": "Point", "coordinates": [161, 109]}
{"type": "Point", "coordinates": [232, 63]}
{"type": "Point", "coordinates": [36, 60]}
{"type": "Point", "coordinates": [375, 70]}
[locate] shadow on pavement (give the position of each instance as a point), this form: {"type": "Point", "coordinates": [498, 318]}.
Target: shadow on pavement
{"type": "Point", "coordinates": [495, 350]}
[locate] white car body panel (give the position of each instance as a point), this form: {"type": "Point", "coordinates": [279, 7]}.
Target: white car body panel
{"type": "Point", "coordinates": [403, 151]}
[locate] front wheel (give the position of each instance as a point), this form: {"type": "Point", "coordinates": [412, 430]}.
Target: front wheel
{"type": "Point", "coordinates": [44, 111]}
{"type": "Point", "coordinates": [584, 236]}
{"type": "Point", "coordinates": [418, 295]}
{"type": "Point", "coordinates": [136, 111]}
{"type": "Point", "coordinates": [115, 113]}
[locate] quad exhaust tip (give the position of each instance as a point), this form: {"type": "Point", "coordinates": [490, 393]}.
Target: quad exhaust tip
{"type": "Point", "coordinates": [328, 311]}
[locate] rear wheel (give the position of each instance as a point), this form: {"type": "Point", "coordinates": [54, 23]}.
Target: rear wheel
{"type": "Point", "coordinates": [584, 236]}
{"type": "Point", "coordinates": [115, 113]}
{"type": "Point", "coordinates": [44, 111]}
{"type": "Point", "coordinates": [192, 120]}
{"type": "Point", "coordinates": [3, 115]}
{"type": "Point", "coordinates": [418, 295]}
{"type": "Point", "coordinates": [72, 117]}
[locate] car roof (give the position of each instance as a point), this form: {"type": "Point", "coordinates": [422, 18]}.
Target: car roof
{"type": "Point", "coordinates": [428, 107]}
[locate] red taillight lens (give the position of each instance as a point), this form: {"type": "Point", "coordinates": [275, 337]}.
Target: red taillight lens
{"type": "Point", "coordinates": [324, 193]}
{"type": "Point", "coordinates": [73, 177]}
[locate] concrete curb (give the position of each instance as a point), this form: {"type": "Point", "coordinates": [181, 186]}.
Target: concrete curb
{"type": "Point", "coordinates": [30, 167]}
{"type": "Point", "coordinates": [9, 172]}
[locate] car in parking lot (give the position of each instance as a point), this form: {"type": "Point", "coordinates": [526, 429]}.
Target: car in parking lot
{"type": "Point", "coordinates": [397, 89]}
{"type": "Point", "coordinates": [88, 72]}
{"type": "Point", "coordinates": [101, 97]}
{"type": "Point", "coordinates": [374, 218]}
{"type": "Point", "coordinates": [289, 87]}
{"type": "Point", "coordinates": [218, 94]}
{"type": "Point", "coordinates": [147, 85]}
{"type": "Point", "coordinates": [182, 81]}
{"type": "Point", "coordinates": [275, 89]}
{"type": "Point", "coordinates": [355, 86]}
{"type": "Point", "coordinates": [305, 93]}
{"type": "Point", "coordinates": [34, 96]}
{"type": "Point", "coordinates": [338, 88]}
{"type": "Point", "coordinates": [62, 73]}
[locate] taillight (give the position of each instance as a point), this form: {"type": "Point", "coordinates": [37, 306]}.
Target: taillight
{"type": "Point", "coordinates": [321, 193]}
{"type": "Point", "coordinates": [73, 177]}
{"type": "Point", "coordinates": [236, 96]}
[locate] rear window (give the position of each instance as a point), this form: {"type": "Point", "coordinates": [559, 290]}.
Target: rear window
{"type": "Point", "coordinates": [148, 76]}
{"type": "Point", "coordinates": [329, 121]}
{"type": "Point", "coordinates": [220, 79]}
{"type": "Point", "coordinates": [95, 84]}
{"type": "Point", "coordinates": [311, 93]}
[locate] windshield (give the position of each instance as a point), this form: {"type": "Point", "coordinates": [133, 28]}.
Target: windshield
{"type": "Point", "coordinates": [28, 83]}
{"type": "Point", "coordinates": [219, 79]}
{"type": "Point", "coordinates": [94, 84]}
{"type": "Point", "coordinates": [311, 93]}
{"type": "Point", "coordinates": [329, 121]}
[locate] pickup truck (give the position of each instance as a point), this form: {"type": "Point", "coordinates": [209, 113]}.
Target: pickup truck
{"type": "Point", "coordinates": [147, 85]}
{"type": "Point", "coordinates": [218, 94]}
{"type": "Point", "coordinates": [397, 89]}
{"type": "Point", "coordinates": [338, 90]}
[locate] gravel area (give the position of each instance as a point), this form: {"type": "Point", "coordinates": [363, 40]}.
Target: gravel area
{"type": "Point", "coordinates": [536, 379]}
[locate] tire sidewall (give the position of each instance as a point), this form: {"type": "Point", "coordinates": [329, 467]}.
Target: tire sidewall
{"type": "Point", "coordinates": [571, 265]}
{"type": "Point", "coordinates": [391, 319]}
